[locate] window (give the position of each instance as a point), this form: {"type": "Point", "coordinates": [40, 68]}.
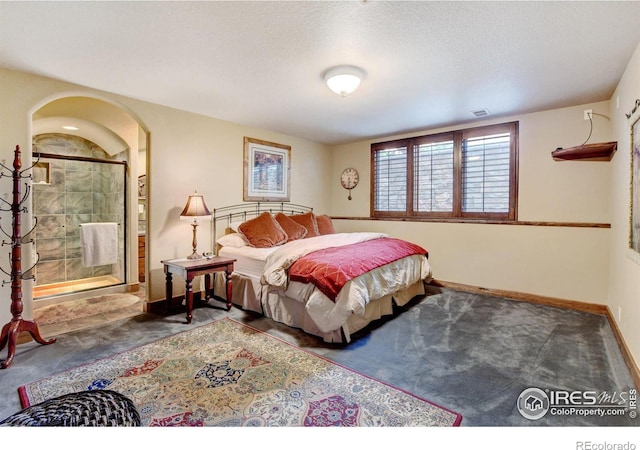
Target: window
{"type": "Point", "coordinates": [465, 174]}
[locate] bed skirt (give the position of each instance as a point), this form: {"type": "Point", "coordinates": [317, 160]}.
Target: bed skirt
{"type": "Point", "coordinates": [249, 294]}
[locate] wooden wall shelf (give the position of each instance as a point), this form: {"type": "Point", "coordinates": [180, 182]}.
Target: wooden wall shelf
{"type": "Point", "coordinates": [588, 152]}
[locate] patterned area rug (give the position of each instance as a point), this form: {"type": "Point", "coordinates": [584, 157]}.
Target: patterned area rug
{"type": "Point", "coordinates": [229, 374]}
{"type": "Point", "coordinates": [83, 308]}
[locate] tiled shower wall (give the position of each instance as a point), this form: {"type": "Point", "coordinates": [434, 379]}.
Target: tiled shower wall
{"type": "Point", "coordinates": [77, 192]}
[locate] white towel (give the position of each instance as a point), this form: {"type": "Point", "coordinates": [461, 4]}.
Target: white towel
{"type": "Point", "coordinates": [99, 242]}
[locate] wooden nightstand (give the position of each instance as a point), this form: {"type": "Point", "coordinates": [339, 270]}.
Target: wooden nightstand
{"type": "Point", "coordinates": [191, 268]}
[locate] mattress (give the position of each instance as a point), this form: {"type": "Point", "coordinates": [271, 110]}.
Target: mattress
{"type": "Point", "coordinates": [250, 261]}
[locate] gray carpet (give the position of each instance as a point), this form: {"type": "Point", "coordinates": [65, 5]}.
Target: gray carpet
{"type": "Point", "coordinates": [473, 354]}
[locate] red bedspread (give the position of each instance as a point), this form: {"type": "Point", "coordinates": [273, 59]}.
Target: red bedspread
{"type": "Point", "coordinates": [331, 268]}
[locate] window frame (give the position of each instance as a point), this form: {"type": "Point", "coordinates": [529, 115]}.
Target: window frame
{"type": "Point", "coordinates": [457, 136]}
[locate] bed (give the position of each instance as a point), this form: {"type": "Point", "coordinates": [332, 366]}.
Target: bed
{"type": "Point", "coordinates": [292, 267]}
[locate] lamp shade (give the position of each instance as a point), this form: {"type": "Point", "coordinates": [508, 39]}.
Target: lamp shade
{"type": "Point", "coordinates": [343, 80]}
{"type": "Point", "coordinates": [195, 207]}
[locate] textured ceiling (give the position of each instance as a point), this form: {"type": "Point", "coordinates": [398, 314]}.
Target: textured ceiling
{"type": "Point", "coordinates": [260, 64]}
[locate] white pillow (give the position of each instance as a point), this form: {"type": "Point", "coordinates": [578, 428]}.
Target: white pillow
{"type": "Point", "coordinates": [232, 240]}
{"type": "Point", "coordinates": [234, 226]}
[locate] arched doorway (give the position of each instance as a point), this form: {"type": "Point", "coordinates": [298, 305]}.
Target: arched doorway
{"type": "Point", "coordinates": [90, 154]}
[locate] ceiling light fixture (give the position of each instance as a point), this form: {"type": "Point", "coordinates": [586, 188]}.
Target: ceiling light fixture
{"type": "Point", "coordinates": [343, 80]}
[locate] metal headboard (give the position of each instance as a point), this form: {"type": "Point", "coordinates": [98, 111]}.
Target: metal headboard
{"type": "Point", "coordinates": [245, 211]}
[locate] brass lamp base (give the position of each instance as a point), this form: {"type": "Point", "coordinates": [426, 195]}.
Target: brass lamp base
{"type": "Point", "coordinates": [194, 243]}
{"type": "Point", "coordinates": [195, 255]}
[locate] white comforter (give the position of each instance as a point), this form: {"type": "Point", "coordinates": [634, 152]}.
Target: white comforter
{"type": "Point", "coordinates": [357, 293]}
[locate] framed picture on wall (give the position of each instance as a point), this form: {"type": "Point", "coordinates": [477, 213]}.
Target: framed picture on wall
{"type": "Point", "coordinates": [267, 169]}
{"type": "Point", "coordinates": [142, 186]}
{"type": "Point", "coordinates": [634, 226]}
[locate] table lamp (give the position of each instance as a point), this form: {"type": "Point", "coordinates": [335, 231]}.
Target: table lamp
{"type": "Point", "coordinates": [193, 212]}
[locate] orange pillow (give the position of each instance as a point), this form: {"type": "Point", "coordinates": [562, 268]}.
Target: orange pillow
{"type": "Point", "coordinates": [263, 231]}
{"type": "Point", "coordinates": [307, 220]}
{"type": "Point", "coordinates": [325, 225]}
{"type": "Point", "coordinates": [293, 229]}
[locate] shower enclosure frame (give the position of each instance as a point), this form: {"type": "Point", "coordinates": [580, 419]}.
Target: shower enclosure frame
{"type": "Point", "coordinates": [40, 155]}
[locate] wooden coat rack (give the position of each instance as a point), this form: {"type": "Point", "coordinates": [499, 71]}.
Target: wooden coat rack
{"type": "Point", "coordinates": [17, 325]}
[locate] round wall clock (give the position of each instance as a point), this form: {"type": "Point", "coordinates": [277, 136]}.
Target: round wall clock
{"type": "Point", "coordinates": [349, 179]}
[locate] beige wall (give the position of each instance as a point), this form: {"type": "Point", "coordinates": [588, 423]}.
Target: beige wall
{"type": "Point", "coordinates": [561, 262]}
{"type": "Point", "coordinates": [567, 191]}
{"type": "Point", "coordinates": [624, 274]}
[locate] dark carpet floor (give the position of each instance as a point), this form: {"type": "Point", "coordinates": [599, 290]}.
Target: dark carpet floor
{"type": "Point", "coordinates": [473, 354]}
